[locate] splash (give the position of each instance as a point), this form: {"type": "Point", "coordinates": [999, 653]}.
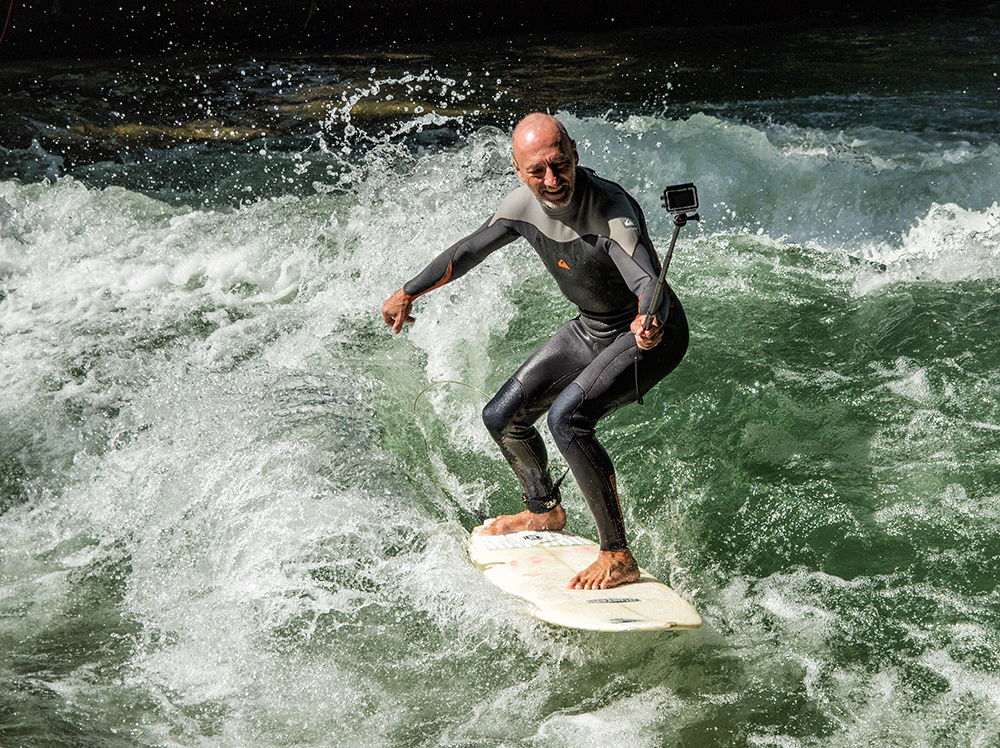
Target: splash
{"type": "Point", "coordinates": [948, 245]}
{"type": "Point", "coordinates": [404, 104]}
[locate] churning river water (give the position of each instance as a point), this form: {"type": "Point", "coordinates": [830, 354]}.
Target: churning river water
{"type": "Point", "coordinates": [234, 508]}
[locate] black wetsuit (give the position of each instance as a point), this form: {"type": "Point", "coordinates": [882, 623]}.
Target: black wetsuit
{"type": "Point", "coordinates": [599, 252]}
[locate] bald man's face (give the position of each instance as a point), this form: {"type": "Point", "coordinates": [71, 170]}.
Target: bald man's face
{"type": "Point", "coordinates": [546, 163]}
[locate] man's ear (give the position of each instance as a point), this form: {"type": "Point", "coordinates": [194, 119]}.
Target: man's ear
{"type": "Point", "coordinates": [517, 169]}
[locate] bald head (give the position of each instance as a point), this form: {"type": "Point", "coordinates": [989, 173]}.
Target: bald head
{"type": "Point", "coordinates": [545, 159]}
{"type": "Point", "coordinates": [539, 126]}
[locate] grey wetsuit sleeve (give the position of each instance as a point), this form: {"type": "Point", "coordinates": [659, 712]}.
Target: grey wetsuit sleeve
{"type": "Point", "coordinates": [461, 257]}
{"type": "Point", "coordinates": [640, 272]}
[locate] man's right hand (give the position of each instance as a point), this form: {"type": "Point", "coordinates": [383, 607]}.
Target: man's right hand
{"type": "Point", "coordinates": [647, 339]}
{"type": "Point", "coordinates": [396, 310]}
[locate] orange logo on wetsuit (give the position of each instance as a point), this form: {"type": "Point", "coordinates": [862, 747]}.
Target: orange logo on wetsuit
{"type": "Point", "coordinates": [614, 491]}
{"type": "Point", "coordinates": [562, 264]}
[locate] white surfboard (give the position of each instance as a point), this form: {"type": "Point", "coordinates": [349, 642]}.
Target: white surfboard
{"type": "Point", "coordinates": [537, 566]}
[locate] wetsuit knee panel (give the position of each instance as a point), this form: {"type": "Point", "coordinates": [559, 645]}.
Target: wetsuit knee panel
{"type": "Point", "coordinates": [562, 413]}
{"type": "Point", "coordinates": [500, 411]}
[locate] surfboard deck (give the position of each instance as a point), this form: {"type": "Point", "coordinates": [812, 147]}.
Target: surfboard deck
{"type": "Point", "coordinates": [537, 566]}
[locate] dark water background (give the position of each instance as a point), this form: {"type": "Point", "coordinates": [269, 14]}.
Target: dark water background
{"type": "Point", "coordinates": [234, 515]}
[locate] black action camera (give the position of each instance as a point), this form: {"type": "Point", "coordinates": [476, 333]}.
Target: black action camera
{"type": "Point", "coordinates": [680, 198]}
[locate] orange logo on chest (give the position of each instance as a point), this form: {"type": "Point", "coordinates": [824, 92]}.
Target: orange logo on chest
{"type": "Point", "coordinates": [562, 264]}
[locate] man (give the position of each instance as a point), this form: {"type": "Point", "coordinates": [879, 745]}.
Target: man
{"type": "Point", "coordinates": [591, 236]}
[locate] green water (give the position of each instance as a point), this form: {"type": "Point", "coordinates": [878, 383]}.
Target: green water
{"type": "Point", "coordinates": [234, 508]}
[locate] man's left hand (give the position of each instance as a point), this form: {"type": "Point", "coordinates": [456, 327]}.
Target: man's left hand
{"type": "Point", "coordinates": [646, 339]}
{"type": "Point", "coordinates": [396, 310]}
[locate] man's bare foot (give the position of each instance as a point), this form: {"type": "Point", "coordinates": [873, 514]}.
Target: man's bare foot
{"type": "Point", "coordinates": [508, 523]}
{"type": "Point", "coordinates": [611, 569]}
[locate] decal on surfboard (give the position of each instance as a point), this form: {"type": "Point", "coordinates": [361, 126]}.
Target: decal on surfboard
{"type": "Point", "coordinates": [528, 540]}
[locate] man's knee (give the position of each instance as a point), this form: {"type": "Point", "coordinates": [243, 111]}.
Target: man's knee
{"type": "Point", "coordinates": [563, 416]}
{"type": "Point", "coordinates": [498, 412]}
{"type": "Point", "coordinates": [494, 419]}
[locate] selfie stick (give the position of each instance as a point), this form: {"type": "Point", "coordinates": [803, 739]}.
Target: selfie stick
{"type": "Point", "coordinates": [678, 200]}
